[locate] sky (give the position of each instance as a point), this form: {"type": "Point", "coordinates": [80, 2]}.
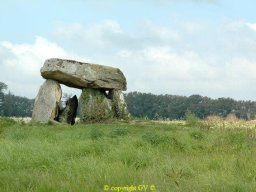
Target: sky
{"type": "Point", "coordinates": [177, 47]}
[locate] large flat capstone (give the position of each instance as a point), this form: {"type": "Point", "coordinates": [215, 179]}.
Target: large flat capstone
{"type": "Point", "coordinates": [83, 75]}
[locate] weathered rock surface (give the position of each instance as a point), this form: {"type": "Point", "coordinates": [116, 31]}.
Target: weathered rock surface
{"type": "Point", "coordinates": [83, 75]}
{"type": "Point", "coordinates": [46, 104]}
{"type": "Point", "coordinates": [68, 114]}
{"type": "Point", "coordinates": [94, 106]}
{"type": "Point", "coordinates": [101, 97]}
{"type": "Point", "coordinates": [119, 104]}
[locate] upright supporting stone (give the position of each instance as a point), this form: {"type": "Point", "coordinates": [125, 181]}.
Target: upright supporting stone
{"type": "Point", "coordinates": [68, 115]}
{"type": "Point", "coordinates": [46, 104]}
{"type": "Point", "coordinates": [94, 106]}
{"type": "Point", "coordinates": [119, 105]}
{"type": "Point", "coordinates": [101, 97]}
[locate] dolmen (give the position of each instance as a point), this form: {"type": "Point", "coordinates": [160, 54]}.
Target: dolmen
{"type": "Point", "coordinates": [101, 98]}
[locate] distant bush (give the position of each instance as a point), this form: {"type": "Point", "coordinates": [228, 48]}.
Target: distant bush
{"type": "Point", "coordinates": [214, 118]}
{"type": "Point", "coordinates": [191, 119]}
{"type": "Point", "coordinates": [232, 118]}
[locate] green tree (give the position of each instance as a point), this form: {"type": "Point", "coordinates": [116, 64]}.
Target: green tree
{"type": "Point", "coordinates": [3, 87]}
{"type": "Point", "coordinates": [175, 107]}
{"type": "Point", "coordinates": [17, 106]}
{"type": "Point", "coordinates": [191, 119]}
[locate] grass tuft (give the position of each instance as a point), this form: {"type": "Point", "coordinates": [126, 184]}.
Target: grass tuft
{"type": "Point", "coordinates": [172, 156]}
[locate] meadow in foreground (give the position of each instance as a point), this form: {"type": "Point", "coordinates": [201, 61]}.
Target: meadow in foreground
{"type": "Point", "coordinates": [170, 156]}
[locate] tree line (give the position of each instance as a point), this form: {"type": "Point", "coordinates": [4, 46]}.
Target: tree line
{"type": "Point", "coordinates": [175, 107]}
{"type": "Point", "coordinates": [147, 105]}
{"type": "Point", "coordinates": [12, 105]}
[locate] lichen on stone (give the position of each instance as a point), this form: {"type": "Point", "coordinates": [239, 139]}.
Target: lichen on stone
{"type": "Point", "coordinates": [94, 106]}
{"type": "Point", "coordinates": [119, 105]}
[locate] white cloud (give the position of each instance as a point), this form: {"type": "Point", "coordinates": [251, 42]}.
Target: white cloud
{"type": "Point", "coordinates": [228, 71]}
{"type": "Point", "coordinates": [160, 33]}
{"type": "Point", "coordinates": [161, 70]}
{"type": "Point", "coordinates": [241, 69]}
{"type": "Point", "coordinates": [168, 62]}
{"type": "Point", "coordinates": [100, 35]}
{"type": "Point", "coordinates": [251, 26]}
{"type": "Point", "coordinates": [21, 63]}
{"type": "Point", "coordinates": [110, 34]}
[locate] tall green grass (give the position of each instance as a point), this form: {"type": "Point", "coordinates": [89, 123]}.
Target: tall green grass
{"type": "Point", "coordinates": [169, 157]}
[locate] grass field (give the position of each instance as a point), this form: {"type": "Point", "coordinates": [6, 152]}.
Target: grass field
{"type": "Point", "coordinates": [128, 156]}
